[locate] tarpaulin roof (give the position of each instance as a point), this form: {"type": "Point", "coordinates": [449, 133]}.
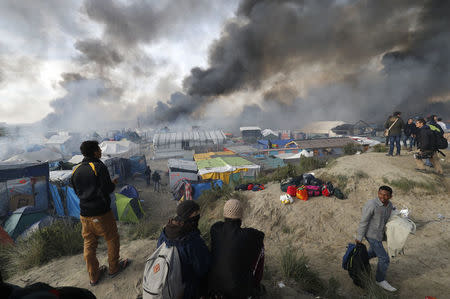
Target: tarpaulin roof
{"type": "Point", "coordinates": [208, 155]}
{"type": "Point", "coordinates": [43, 155]}
{"type": "Point", "coordinates": [117, 147]}
{"type": "Point", "coordinates": [182, 164]}
{"type": "Point", "coordinates": [224, 164]}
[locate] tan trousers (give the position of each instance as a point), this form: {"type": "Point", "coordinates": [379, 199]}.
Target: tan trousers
{"type": "Point", "coordinates": [93, 228]}
{"type": "Point", "coordinates": [434, 161]}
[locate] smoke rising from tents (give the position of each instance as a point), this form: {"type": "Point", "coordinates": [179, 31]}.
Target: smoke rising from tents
{"type": "Point", "coordinates": [338, 59]}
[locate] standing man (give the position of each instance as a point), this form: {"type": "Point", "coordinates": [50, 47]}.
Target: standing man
{"type": "Point", "coordinates": [156, 178]}
{"type": "Point", "coordinates": [93, 185]}
{"type": "Point", "coordinates": [394, 125]}
{"type": "Point", "coordinates": [410, 132]}
{"type": "Point", "coordinates": [427, 147]}
{"type": "Point", "coordinates": [375, 215]}
{"type": "Point", "coordinates": [148, 173]}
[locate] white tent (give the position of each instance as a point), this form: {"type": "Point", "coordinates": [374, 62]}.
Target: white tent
{"type": "Point", "coordinates": [43, 155]}
{"type": "Point", "coordinates": [118, 148]}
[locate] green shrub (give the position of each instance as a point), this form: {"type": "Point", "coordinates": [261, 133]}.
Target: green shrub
{"type": "Point", "coordinates": [296, 268]}
{"type": "Point", "coordinates": [380, 148]}
{"type": "Point", "coordinates": [144, 229]}
{"type": "Point", "coordinates": [361, 175]}
{"type": "Point", "coordinates": [310, 163]}
{"type": "Point", "coordinates": [59, 239]}
{"type": "Point", "coordinates": [406, 185]}
{"type": "Point", "coordinates": [351, 148]}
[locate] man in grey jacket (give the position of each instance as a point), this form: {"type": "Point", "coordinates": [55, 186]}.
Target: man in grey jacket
{"type": "Point", "coordinates": [375, 215]}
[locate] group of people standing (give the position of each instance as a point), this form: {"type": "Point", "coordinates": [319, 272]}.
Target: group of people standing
{"type": "Point", "coordinates": [232, 269]}
{"type": "Point", "coordinates": [417, 133]}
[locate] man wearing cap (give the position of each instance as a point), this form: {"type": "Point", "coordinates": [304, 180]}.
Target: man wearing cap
{"type": "Point", "coordinates": [182, 232]}
{"type": "Point", "coordinates": [237, 256]}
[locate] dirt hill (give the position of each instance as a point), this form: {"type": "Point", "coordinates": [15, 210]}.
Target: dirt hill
{"type": "Point", "coordinates": [320, 228]}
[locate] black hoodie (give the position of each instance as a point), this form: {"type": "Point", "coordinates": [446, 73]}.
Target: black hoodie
{"type": "Point", "coordinates": [93, 190]}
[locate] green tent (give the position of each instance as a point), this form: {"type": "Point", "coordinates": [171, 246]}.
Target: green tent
{"type": "Point", "coordinates": [22, 219]}
{"type": "Point", "coordinates": [128, 209]}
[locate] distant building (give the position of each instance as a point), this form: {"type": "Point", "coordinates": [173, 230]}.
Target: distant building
{"type": "Point", "coordinates": [250, 134]}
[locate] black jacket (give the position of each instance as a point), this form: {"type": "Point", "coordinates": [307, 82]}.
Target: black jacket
{"type": "Point", "coordinates": [410, 129]}
{"type": "Point", "coordinates": [425, 139]}
{"type": "Point", "coordinates": [234, 251]}
{"type": "Point", "coordinates": [93, 190]}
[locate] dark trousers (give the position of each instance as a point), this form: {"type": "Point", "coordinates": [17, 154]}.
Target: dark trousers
{"type": "Point", "coordinates": [156, 186]}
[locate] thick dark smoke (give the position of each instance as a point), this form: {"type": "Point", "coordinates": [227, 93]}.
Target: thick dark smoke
{"type": "Point", "coordinates": [343, 40]}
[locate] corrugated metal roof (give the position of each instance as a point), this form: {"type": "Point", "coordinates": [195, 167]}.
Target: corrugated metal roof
{"type": "Point", "coordinates": [215, 136]}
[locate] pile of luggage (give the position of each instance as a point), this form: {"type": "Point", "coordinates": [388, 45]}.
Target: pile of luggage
{"type": "Point", "coordinates": [249, 186]}
{"type": "Point", "coordinates": [305, 186]}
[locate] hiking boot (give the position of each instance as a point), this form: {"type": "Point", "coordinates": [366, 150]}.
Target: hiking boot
{"type": "Point", "coordinates": [385, 285]}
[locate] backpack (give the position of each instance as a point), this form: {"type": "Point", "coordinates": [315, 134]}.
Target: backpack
{"type": "Point", "coordinates": [314, 190]}
{"type": "Point", "coordinates": [439, 141]}
{"type": "Point", "coordinates": [162, 274]}
{"type": "Point", "coordinates": [347, 255]}
{"type": "Point", "coordinates": [358, 264]}
{"type": "Point", "coordinates": [302, 193]}
{"type": "Point", "coordinates": [338, 193]}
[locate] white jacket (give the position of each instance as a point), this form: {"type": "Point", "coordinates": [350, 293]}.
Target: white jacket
{"type": "Point", "coordinates": [397, 230]}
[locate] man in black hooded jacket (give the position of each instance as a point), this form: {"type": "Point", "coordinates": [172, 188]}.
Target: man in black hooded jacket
{"type": "Point", "coordinates": [426, 144]}
{"type": "Point", "coordinates": [93, 185]}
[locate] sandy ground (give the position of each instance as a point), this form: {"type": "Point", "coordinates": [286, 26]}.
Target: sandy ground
{"type": "Point", "coordinates": [320, 228]}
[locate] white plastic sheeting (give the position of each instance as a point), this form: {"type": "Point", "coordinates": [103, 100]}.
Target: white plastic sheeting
{"type": "Point", "coordinates": [188, 139]}
{"type": "Point", "coordinates": [43, 155]}
{"type": "Point", "coordinates": [118, 148]}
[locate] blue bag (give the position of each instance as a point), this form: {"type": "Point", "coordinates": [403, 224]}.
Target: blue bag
{"type": "Point", "coordinates": [347, 255]}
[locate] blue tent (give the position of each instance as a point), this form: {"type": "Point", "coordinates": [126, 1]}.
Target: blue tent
{"type": "Point", "coordinates": [22, 219]}
{"type": "Point", "coordinates": [138, 164]}
{"type": "Point", "coordinates": [199, 187]}
{"type": "Point", "coordinates": [23, 184]}
{"type": "Point", "coordinates": [129, 191]}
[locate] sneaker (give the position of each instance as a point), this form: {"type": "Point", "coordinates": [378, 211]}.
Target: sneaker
{"type": "Point", "coordinates": [389, 155]}
{"type": "Point", "coordinates": [385, 285]}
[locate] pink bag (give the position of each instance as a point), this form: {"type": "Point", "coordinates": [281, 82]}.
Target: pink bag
{"type": "Point", "coordinates": [313, 190]}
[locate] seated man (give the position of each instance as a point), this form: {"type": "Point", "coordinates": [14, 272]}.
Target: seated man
{"type": "Point", "coordinates": [237, 256]}
{"type": "Point", "coordinates": [183, 233]}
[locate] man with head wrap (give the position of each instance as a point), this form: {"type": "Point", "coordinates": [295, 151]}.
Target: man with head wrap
{"type": "Point", "coordinates": [182, 232]}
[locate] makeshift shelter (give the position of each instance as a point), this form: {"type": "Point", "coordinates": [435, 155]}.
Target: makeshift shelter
{"type": "Point", "coordinates": [22, 219]}
{"type": "Point", "coordinates": [269, 134]}
{"type": "Point", "coordinates": [181, 169]}
{"type": "Point", "coordinates": [279, 143]}
{"type": "Point", "coordinates": [250, 134]}
{"type": "Point", "coordinates": [138, 165]}
{"type": "Point", "coordinates": [127, 209]}
{"type": "Point", "coordinates": [23, 185]}
{"type": "Point", "coordinates": [64, 143]}
{"type": "Point", "coordinates": [199, 187]}
{"type": "Point", "coordinates": [122, 148]}
{"type": "Point", "coordinates": [44, 222]}
{"type": "Point", "coordinates": [226, 168]}
{"type": "Point", "coordinates": [39, 156]}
